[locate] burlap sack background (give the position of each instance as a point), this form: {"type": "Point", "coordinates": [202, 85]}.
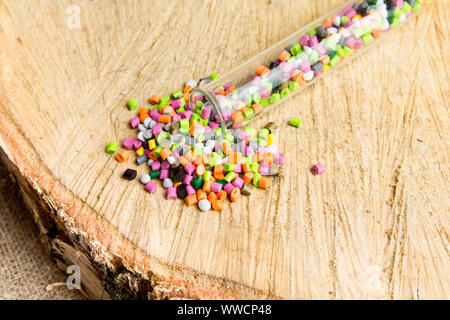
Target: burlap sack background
{"type": "Point", "coordinates": [26, 269]}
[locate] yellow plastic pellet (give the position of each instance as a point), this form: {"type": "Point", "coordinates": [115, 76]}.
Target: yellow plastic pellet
{"type": "Point", "coordinates": [140, 151]}
{"type": "Point", "coordinates": [270, 139]}
{"type": "Point", "coordinates": [151, 144]}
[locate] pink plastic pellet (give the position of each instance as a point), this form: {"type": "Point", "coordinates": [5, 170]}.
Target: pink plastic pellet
{"type": "Point", "coordinates": [228, 187]}
{"type": "Point", "coordinates": [190, 190]}
{"type": "Point", "coordinates": [163, 174]}
{"type": "Point", "coordinates": [189, 168]}
{"type": "Point", "coordinates": [165, 165]}
{"type": "Point", "coordinates": [137, 144]}
{"type": "Point", "coordinates": [206, 113]}
{"type": "Point", "coordinates": [135, 122]}
{"type": "Point", "coordinates": [318, 168]}
{"type": "Point", "coordinates": [128, 143]}
{"type": "Point", "coordinates": [171, 193]}
{"type": "Point", "coordinates": [156, 165]}
{"type": "Point", "coordinates": [188, 179]}
{"type": "Point", "coordinates": [151, 187]}
{"type": "Point", "coordinates": [238, 182]}
{"type": "Point", "coordinates": [264, 169]}
{"type": "Point", "coordinates": [216, 187]}
{"type": "Point", "coordinates": [157, 129]}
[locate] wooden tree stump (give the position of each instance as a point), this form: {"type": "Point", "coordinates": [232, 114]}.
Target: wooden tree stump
{"type": "Point", "coordinates": [374, 226]}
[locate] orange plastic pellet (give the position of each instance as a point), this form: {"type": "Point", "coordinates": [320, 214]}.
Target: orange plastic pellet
{"type": "Point", "coordinates": [237, 157]}
{"type": "Point", "coordinates": [177, 184]}
{"type": "Point", "coordinates": [165, 118]}
{"type": "Point", "coordinates": [217, 204]}
{"type": "Point", "coordinates": [187, 89]}
{"type": "Point", "coordinates": [218, 168]}
{"type": "Point", "coordinates": [151, 156]}
{"type": "Point", "coordinates": [221, 195]}
{"type": "Point", "coordinates": [235, 194]}
{"type": "Point", "coordinates": [122, 156]}
{"type": "Point", "coordinates": [212, 196]}
{"type": "Point", "coordinates": [194, 129]}
{"type": "Point", "coordinates": [259, 156]}
{"type": "Point", "coordinates": [189, 156]}
{"type": "Point", "coordinates": [220, 91]}
{"type": "Point", "coordinates": [262, 70]}
{"type": "Point", "coordinates": [165, 153]}
{"type": "Point", "coordinates": [284, 55]}
{"type": "Point", "coordinates": [246, 167]}
{"type": "Point", "coordinates": [168, 109]}
{"type": "Point", "coordinates": [219, 176]}
{"type": "Point", "coordinates": [143, 114]}
{"type": "Point", "coordinates": [264, 182]}
{"type": "Point", "coordinates": [328, 22]}
{"type": "Point", "coordinates": [268, 158]}
{"type": "Point", "coordinates": [201, 195]}
{"type": "Point", "coordinates": [200, 170]}
{"type": "Point", "coordinates": [186, 96]}
{"type": "Point", "coordinates": [183, 160]}
{"type": "Point", "coordinates": [248, 177]}
{"type": "Point", "coordinates": [207, 186]}
{"type": "Point", "coordinates": [257, 108]}
{"type": "Point", "coordinates": [230, 90]}
{"type": "Point", "coordinates": [155, 99]}
{"type": "Point", "coordinates": [325, 59]}
{"type": "Point", "coordinates": [191, 200]}
{"type": "Point", "coordinates": [237, 117]}
{"type": "Point", "coordinates": [226, 147]}
{"type": "Point", "coordinates": [377, 33]}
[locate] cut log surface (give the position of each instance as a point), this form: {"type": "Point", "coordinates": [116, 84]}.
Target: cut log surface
{"type": "Point", "coordinates": [375, 225]}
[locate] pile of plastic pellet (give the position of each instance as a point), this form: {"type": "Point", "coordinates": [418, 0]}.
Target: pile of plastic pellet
{"type": "Point", "coordinates": [185, 149]}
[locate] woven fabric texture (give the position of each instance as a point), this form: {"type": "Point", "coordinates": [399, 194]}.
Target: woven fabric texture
{"type": "Point", "coordinates": [26, 269]}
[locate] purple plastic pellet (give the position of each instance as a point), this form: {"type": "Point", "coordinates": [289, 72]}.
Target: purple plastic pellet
{"type": "Point", "coordinates": [176, 103]}
{"type": "Point", "coordinates": [165, 165]}
{"type": "Point", "coordinates": [137, 144]}
{"type": "Point", "coordinates": [313, 42]}
{"type": "Point", "coordinates": [304, 40]}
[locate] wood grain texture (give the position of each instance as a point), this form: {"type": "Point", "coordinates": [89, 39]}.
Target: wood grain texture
{"type": "Point", "coordinates": [374, 226]}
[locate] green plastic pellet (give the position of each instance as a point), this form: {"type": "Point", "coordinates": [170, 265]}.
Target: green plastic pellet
{"type": "Point", "coordinates": [358, 32]}
{"type": "Point", "coordinates": [157, 151]}
{"type": "Point", "coordinates": [176, 94]}
{"type": "Point", "coordinates": [347, 51]}
{"type": "Point", "coordinates": [285, 92]}
{"type": "Point", "coordinates": [230, 176]}
{"type": "Point", "coordinates": [132, 104]}
{"type": "Point", "coordinates": [312, 32]}
{"type": "Point", "coordinates": [335, 60]}
{"type": "Point", "coordinates": [262, 142]}
{"type": "Point", "coordinates": [263, 133]}
{"type": "Point", "coordinates": [197, 151]}
{"type": "Point", "coordinates": [201, 137]}
{"type": "Point", "coordinates": [184, 129]}
{"type": "Point", "coordinates": [197, 183]}
{"type": "Point", "coordinates": [229, 167]}
{"type": "Point", "coordinates": [344, 19]}
{"type": "Point", "coordinates": [249, 113]}
{"type": "Point", "coordinates": [213, 158]}
{"type": "Point", "coordinates": [296, 49]}
{"type": "Point", "coordinates": [214, 76]}
{"type": "Point", "coordinates": [195, 117]}
{"type": "Point", "coordinates": [184, 122]}
{"type": "Point", "coordinates": [218, 132]}
{"type": "Point", "coordinates": [251, 131]}
{"type": "Point", "coordinates": [154, 174]}
{"type": "Point", "coordinates": [295, 122]}
{"type": "Point", "coordinates": [198, 105]}
{"type": "Point", "coordinates": [174, 147]}
{"type": "Point", "coordinates": [265, 102]}
{"type": "Point", "coordinates": [395, 22]}
{"type": "Point", "coordinates": [207, 175]}
{"type": "Point", "coordinates": [256, 97]}
{"type": "Point", "coordinates": [222, 182]}
{"type": "Point", "coordinates": [111, 148]}
{"type": "Point", "coordinates": [367, 38]}
{"type": "Point", "coordinates": [254, 167]}
{"type": "Point", "coordinates": [274, 98]}
{"type": "Point", "coordinates": [314, 57]}
{"type": "Point", "coordinates": [293, 85]}
{"type": "Point", "coordinates": [181, 109]}
{"type": "Point", "coordinates": [256, 177]}
{"type": "Point", "coordinates": [246, 160]}
{"type": "Point", "coordinates": [397, 13]}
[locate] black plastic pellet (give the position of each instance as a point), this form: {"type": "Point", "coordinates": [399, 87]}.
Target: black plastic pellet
{"type": "Point", "coordinates": [181, 191]}
{"type": "Point", "coordinates": [129, 174]}
{"type": "Point", "coordinates": [317, 67]}
{"type": "Point", "coordinates": [321, 32]}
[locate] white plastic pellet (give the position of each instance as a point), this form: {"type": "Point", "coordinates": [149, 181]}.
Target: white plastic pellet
{"type": "Point", "coordinates": [332, 30]}
{"type": "Point", "coordinates": [141, 127]}
{"type": "Point", "coordinates": [206, 150]}
{"type": "Point", "coordinates": [167, 183]}
{"type": "Point", "coordinates": [204, 205]}
{"type": "Point", "coordinates": [191, 83]}
{"type": "Point", "coordinates": [152, 123]}
{"type": "Point", "coordinates": [171, 160]}
{"type": "Point", "coordinates": [148, 134]}
{"type": "Point", "coordinates": [210, 144]}
{"type": "Point", "coordinates": [308, 76]}
{"type": "Point", "coordinates": [337, 21]}
{"type": "Point", "coordinates": [147, 122]}
{"type": "Point", "coordinates": [149, 162]}
{"type": "Point", "coordinates": [141, 137]}
{"type": "Point", "coordinates": [307, 50]}
{"type": "Point", "coordinates": [145, 178]}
